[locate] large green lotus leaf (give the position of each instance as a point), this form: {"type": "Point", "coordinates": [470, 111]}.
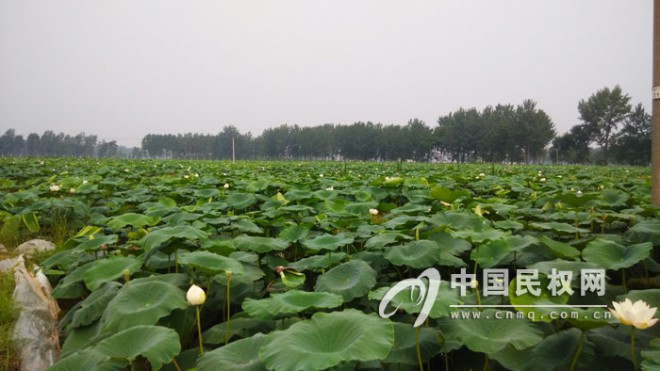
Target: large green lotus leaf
{"type": "Point", "coordinates": [95, 243]}
{"type": "Point", "coordinates": [88, 360]}
{"type": "Point", "coordinates": [610, 255]}
{"type": "Point", "coordinates": [260, 245]}
{"type": "Point", "coordinates": [93, 306]}
{"type": "Point", "coordinates": [457, 220]}
{"type": "Point", "coordinates": [294, 233]}
{"type": "Point", "coordinates": [245, 226]}
{"type": "Point", "coordinates": [509, 225]}
{"type": "Point", "coordinates": [328, 242]}
{"type": "Point", "coordinates": [142, 303]}
{"type": "Point", "coordinates": [450, 244]}
{"type": "Point", "coordinates": [615, 341]}
{"type": "Point", "coordinates": [210, 263]}
{"type": "Point", "coordinates": [71, 286]}
{"type": "Point", "coordinates": [480, 236]}
{"type": "Point", "coordinates": [404, 350]}
{"type": "Point", "coordinates": [380, 241]}
{"type": "Point", "coordinates": [556, 352]}
{"type": "Point", "coordinates": [510, 358]}
{"type": "Point", "coordinates": [328, 339]}
{"type": "Point", "coordinates": [240, 355]}
{"type": "Point", "coordinates": [411, 208]}
{"type": "Point", "coordinates": [415, 254]}
{"type": "Point", "coordinates": [405, 221]}
{"type": "Point", "coordinates": [650, 296]}
{"type": "Point", "coordinates": [109, 269]}
{"type": "Point", "coordinates": [290, 302]}
{"type": "Point", "coordinates": [350, 280]}
{"type": "Point", "coordinates": [318, 262]}
{"type": "Point", "coordinates": [447, 195]}
{"type": "Point", "coordinates": [79, 338]}
{"type": "Point", "coordinates": [157, 344]}
{"type": "Point", "coordinates": [612, 198]}
{"type": "Point", "coordinates": [491, 253]}
{"type": "Point", "coordinates": [646, 231]}
{"type": "Point", "coordinates": [63, 259]}
{"type": "Point", "coordinates": [523, 303]}
{"type": "Point", "coordinates": [207, 193]}
{"type": "Point", "coordinates": [558, 227]}
{"type": "Point", "coordinates": [560, 249]}
{"type": "Point", "coordinates": [490, 334]}
{"type": "Point", "coordinates": [180, 218]}
{"type": "Point", "coordinates": [242, 327]}
{"type": "Point", "coordinates": [573, 199]}
{"type": "Point", "coordinates": [180, 280]}
{"type": "Point", "coordinates": [160, 236]}
{"type": "Point", "coordinates": [132, 219]}
{"type": "Point", "coordinates": [240, 201]}
{"type": "Point", "coordinates": [651, 356]}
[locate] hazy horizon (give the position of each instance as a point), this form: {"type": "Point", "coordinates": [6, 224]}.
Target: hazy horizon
{"type": "Point", "coordinates": [122, 70]}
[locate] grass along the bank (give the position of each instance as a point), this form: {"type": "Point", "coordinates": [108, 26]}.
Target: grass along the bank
{"type": "Point", "coordinates": [9, 360]}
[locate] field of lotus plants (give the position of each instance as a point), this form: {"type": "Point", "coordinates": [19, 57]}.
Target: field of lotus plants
{"type": "Point", "coordinates": [177, 265]}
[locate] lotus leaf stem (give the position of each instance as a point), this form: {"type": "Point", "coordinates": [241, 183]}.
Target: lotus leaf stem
{"type": "Point", "coordinates": [577, 352]}
{"type": "Point", "coordinates": [199, 331]}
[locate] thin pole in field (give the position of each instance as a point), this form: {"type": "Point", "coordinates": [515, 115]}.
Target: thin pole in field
{"type": "Point", "coordinates": [233, 151]}
{"type": "Point", "coordinates": [655, 139]}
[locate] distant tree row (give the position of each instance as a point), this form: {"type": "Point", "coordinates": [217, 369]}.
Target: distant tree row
{"type": "Point", "coordinates": [611, 131]}
{"type": "Point", "coordinates": [495, 134]}
{"type": "Point", "coordinates": [50, 144]}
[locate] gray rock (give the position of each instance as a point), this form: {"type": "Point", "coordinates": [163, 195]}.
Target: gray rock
{"type": "Point", "coordinates": [35, 246]}
{"type": "Point", "coordinates": [3, 249]}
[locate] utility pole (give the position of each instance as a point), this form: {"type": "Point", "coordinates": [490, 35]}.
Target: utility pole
{"type": "Point", "coordinates": [655, 139]}
{"type": "Point", "coordinates": [233, 151]}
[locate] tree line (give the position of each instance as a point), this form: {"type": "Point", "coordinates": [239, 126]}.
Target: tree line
{"type": "Point", "coordinates": [50, 144]}
{"type": "Point", "coordinates": [611, 130]}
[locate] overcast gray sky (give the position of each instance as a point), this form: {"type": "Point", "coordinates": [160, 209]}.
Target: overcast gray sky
{"type": "Point", "coordinates": [123, 69]}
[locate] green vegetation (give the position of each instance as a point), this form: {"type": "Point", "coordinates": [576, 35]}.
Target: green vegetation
{"type": "Point", "coordinates": [298, 257]}
{"type": "Point", "coordinates": [8, 313]}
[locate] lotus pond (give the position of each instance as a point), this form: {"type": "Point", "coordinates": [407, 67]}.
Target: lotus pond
{"type": "Point", "coordinates": [294, 260]}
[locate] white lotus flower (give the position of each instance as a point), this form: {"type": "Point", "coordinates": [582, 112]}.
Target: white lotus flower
{"type": "Point", "coordinates": [482, 174]}
{"type": "Point", "coordinates": [196, 295]}
{"type": "Point", "coordinates": [85, 181]}
{"type": "Point", "coordinates": [637, 314]}
{"type": "Point", "coordinates": [542, 179]}
{"type": "Point", "coordinates": [330, 188]}
{"type": "Point", "coordinates": [226, 186]}
{"type": "Point", "coordinates": [55, 188]}
{"type": "Point", "coordinates": [320, 175]}
{"type": "Point", "coordinates": [72, 190]}
{"type": "Point", "coordinates": [373, 211]}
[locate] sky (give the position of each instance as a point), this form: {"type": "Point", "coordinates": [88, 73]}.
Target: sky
{"type": "Point", "coordinates": [122, 69]}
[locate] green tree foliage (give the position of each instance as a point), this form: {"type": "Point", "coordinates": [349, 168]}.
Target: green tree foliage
{"type": "Point", "coordinates": [572, 147]}
{"type": "Point", "coordinates": [632, 144]}
{"type": "Point", "coordinates": [496, 134]}
{"type": "Point", "coordinates": [602, 113]}
{"type": "Point", "coordinates": [533, 130]}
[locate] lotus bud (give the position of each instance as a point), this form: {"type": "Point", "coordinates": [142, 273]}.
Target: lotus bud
{"type": "Point", "coordinates": [196, 295]}
{"type": "Point", "coordinates": [373, 211]}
